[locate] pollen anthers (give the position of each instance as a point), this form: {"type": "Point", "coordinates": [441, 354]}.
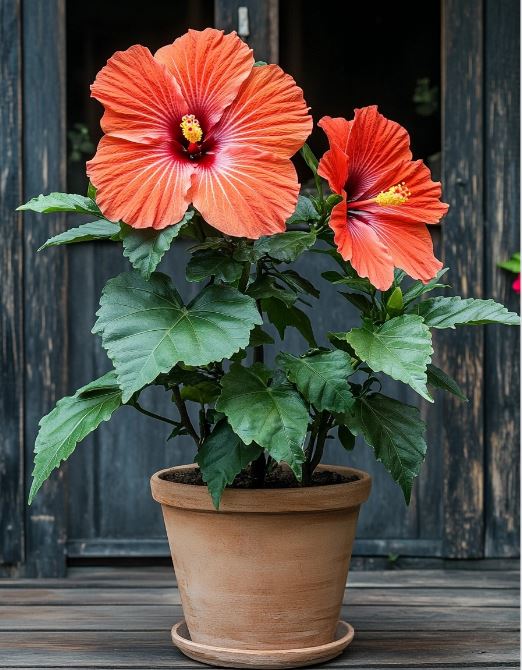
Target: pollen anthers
{"type": "Point", "coordinates": [396, 195]}
{"type": "Point", "coordinates": [191, 129]}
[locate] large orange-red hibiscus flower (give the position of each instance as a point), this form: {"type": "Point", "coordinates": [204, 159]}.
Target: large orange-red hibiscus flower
{"type": "Point", "coordinates": [198, 123]}
{"type": "Point", "coordinates": [387, 198]}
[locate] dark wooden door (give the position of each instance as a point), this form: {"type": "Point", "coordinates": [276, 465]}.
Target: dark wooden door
{"type": "Point", "coordinates": [465, 503]}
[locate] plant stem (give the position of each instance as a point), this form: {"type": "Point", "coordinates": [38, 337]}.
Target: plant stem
{"type": "Point", "coordinates": [141, 409]}
{"type": "Point", "coordinates": [324, 427]}
{"type": "Point", "coordinates": [185, 419]}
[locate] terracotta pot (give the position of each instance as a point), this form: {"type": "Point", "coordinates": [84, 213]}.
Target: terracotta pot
{"type": "Point", "coordinates": [268, 571]}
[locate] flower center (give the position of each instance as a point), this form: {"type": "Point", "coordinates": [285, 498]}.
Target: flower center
{"type": "Point", "coordinates": [396, 195]}
{"type": "Point", "coordinates": [191, 129]}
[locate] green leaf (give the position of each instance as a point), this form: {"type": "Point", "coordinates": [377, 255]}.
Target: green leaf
{"type": "Point", "coordinates": [512, 265]}
{"type": "Point", "coordinates": [359, 301]}
{"type": "Point", "coordinates": [396, 433]}
{"type": "Point", "coordinates": [283, 317]}
{"type": "Point", "coordinates": [266, 287]}
{"type": "Point", "coordinates": [91, 192]}
{"type": "Point", "coordinates": [418, 288]}
{"type": "Point", "coordinates": [305, 212]}
{"type": "Point", "coordinates": [96, 230]}
{"type": "Point", "coordinates": [401, 348]}
{"type": "Point", "coordinates": [202, 393]}
{"type": "Point", "coordinates": [356, 283]}
{"type": "Point", "coordinates": [61, 202]}
{"type": "Point", "coordinates": [146, 329]}
{"type": "Point", "coordinates": [221, 457]}
{"type": "Point", "coordinates": [445, 312]}
{"type": "Point", "coordinates": [285, 246]}
{"type": "Point", "coordinates": [260, 63]}
{"type": "Point", "coordinates": [321, 378]}
{"type": "Point", "coordinates": [213, 263]}
{"type": "Point", "coordinates": [274, 417]}
{"type": "Point", "coordinates": [346, 438]}
{"type": "Point", "coordinates": [339, 341]}
{"type": "Point", "coordinates": [73, 418]}
{"type": "Point", "coordinates": [309, 158]}
{"type": "Point", "coordinates": [332, 200]}
{"type": "Point", "coordinates": [258, 337]}
{"type": "Point", "coordinates": [294, 280]}
{"type": "Point", "coordinates": [438, 378]}
{"type": "Point", "coordinates": [145, 247]}
{"type": "Point", "coordinates": [395, 304]}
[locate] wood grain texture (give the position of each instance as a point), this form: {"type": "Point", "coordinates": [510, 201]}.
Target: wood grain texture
{"type": "Point", "coordinates": [502, 237]}
{"type": "Point", "coordinates": [461, 354]}
{"type": "Point", "coordinates": [45, 274]}
{"type": "Point", "coordinates": [263, 22]}
{"type": "Point", "coordinates": [11, 296]}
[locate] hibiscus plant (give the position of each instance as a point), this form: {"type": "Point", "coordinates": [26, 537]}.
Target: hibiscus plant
{"type": "Point", "coordinates": [197, 144]}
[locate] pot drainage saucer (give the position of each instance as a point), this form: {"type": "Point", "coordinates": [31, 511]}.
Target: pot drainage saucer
{"type": "Point", "coordinates": [259, 658]}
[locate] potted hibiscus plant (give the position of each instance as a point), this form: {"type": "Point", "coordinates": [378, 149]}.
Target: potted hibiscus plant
{"type": "Point", "coordinates": [198, 141]}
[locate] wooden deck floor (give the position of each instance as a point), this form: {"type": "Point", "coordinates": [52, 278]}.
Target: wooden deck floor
{"type": "Point", "coordinates": [104, 618]}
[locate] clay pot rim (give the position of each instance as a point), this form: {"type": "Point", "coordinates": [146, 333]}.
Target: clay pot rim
{"type": "Point", "coordinates": [325, 498]}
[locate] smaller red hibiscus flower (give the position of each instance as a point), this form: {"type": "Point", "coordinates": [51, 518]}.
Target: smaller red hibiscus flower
{"type": "Point", "coordinates": [516, 284]}
{"type": "Point", "coordinates": [387, 198]}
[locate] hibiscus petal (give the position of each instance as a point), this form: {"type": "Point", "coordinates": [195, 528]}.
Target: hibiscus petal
{"type": "Point", "coordinates": [423, 205]}
{"type": "Point", "coordinates": [333, 166]}
{"type": "Point", "coordinates": [210, 67]}
{"type": "Point", "coordinates": [269, 113]}
{"type": "Point", "coordinates": [376, 145]}
{"type": "Point", "coordinates": [141, 184]}
{"type": "Point", "coordinates": [337, 131]}
{"type": "Point", "coordinates": [410, 246]}
{"type": "Point", "coordinates": [245, 192]}
{"type": "Point", "coordinates": [358, 243]}
{"type": "Point", "coordinates": [142, 99]}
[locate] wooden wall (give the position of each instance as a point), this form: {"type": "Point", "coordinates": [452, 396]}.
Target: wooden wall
{"type": "Point", "coordinates": [466, 503]}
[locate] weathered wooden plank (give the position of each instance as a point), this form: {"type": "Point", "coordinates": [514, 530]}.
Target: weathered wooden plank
{"type": "Point", "coordinates": [161, 576]}
{"type": "Point", "coordinates": [502, 234]}
{"type": "Point", "coordinates": [45, 276]}
{"type": "Point", "coordinates": [263, 22]}
{"type": "Point", "coordinates": [11, 297]}
{"type": "Point", "coordinates": [153, 649]}
{"type": "Point", "coordinates": [354, 596]}
{"type": "Point", "coordinates": [462, 355]}
{"type": "Point", "coordinates": [150, 617]}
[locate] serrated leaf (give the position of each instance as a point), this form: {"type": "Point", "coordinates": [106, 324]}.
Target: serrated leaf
{"type": "Point", "coordinates": [61, 202]}
{"type": "Point", "coordinates": [356, 283]}
{"type": "Point", "coordinates": [283, 317]}
{"type": "Point", "coordinates": [258, 337]}
{"type": "Point", "coordinates": [321, 378]}
{"type": "Point", "coordinates": [267, 287]}
{"type": "Point", "coordinates": [145, 247]}
{"type": "Point", "coordinates": [213, 263]}
{"type": "Point", "coordinates": [285, 246]}
{"type": "Point", "coordinates": [401, 348]}
{"type": "Point", "coordinates": [146, 329]}
{"type": "Point", "coordinates": [294, 280]}
{"type": "Point", "coordinates": [95, 230]}
{"type": "Point", "coordinates": [441, 380]}
{"type": "Point", "coordinates": [304, 212]}
{"type": "Point", "coordinates": [274, 417]}
{"type": "Point", "coordinates": [221, 457]}
{"type": "Point", "coordinates": [396, 433]}
{"type": "Point", "coordinates": [73, 418]}
{"type": "Point", "coordinates": [339, 341]}
{"type": "Point", "coordinates": [445, 312]}
{"type": "Point", "coordinates": [346, 438]}
{"type": "Point", "coordinates": [418, 288]}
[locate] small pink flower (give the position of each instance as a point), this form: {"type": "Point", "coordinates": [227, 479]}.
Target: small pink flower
{"type": "Point", "coordinates": [516, 284]}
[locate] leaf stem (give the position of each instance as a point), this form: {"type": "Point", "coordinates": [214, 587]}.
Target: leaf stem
{"type": "Point", "coordinates": [324, 426]}
{"type": "Point", "coordinates": [153, 415]}
{"type": "Point", "coordinates": [185, 419]}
